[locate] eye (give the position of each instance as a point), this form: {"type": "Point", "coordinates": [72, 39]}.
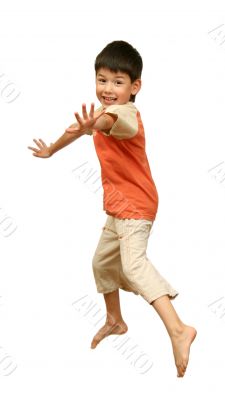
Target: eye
{"type": "Point", "coordinates": [119, 83]}
{"type": "Point", "coordinates": [101, 80]}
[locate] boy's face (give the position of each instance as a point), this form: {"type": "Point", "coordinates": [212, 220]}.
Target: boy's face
{"type": "Point", "coordinates": [115, 87]}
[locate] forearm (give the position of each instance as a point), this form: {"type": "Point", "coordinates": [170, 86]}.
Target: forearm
{"type": "Point", "coordinates": [105, 122]}
{"type": "Point", "coordinates": [64, 141]}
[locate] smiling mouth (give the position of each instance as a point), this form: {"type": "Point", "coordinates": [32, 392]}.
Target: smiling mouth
{"type": "Point", "coordinates": [109, 98]}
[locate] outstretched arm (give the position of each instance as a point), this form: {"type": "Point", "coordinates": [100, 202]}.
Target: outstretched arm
{"type": "Point", "coordinates": [45, 151]}
{"type": "Point", "coordinates": [72, 133]}
{"type": "Point", "coordinates": [64, 140]}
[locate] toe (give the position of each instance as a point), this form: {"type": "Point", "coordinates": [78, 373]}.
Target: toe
{"type": "Point", "coordinates": [94, 343]}
{"type": "Point", "coordinates": [180, 370]}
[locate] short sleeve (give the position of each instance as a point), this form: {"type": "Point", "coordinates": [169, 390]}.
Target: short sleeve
{"type": "Point", "coordinates": [126, 124]}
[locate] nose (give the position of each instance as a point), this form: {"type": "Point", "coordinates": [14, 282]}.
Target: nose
{"type": "Point", "coordinates": [108, 87]}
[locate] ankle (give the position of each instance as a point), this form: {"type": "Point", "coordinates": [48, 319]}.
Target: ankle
{"type": "Point", "coordinates": [113, 319]}
{"type": "Point", "coordinates": [177, 330]}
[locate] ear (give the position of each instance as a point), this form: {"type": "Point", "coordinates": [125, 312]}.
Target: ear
{"type": "Point", "coordinates": [136, 86]}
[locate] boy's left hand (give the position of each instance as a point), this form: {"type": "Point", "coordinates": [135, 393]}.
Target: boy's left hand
{"type": "Point", "coordinates": [87, 122]}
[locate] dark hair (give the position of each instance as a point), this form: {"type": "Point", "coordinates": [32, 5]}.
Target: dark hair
{"type": "Point", "coordinates": [120, 56]}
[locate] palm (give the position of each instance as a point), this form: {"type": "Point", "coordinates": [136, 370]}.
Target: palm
{"type": "Point", "coordinates": [42, 150]}
{"type": "Point", "coordinates": [87, 121]}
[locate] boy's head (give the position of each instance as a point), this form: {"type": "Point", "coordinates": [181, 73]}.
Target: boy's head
{"type": "Point", "coordinates": [118, 70]}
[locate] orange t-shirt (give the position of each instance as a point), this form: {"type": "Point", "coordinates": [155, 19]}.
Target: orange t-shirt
{"type": "Point", "coordinates": [129, 189]}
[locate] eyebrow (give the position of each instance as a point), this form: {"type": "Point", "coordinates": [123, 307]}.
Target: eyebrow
{"type": "Point", "coordinates": [117, 76]}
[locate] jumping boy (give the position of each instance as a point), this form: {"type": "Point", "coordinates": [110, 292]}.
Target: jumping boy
{"type": "Point", "coordinates": [130, 198]}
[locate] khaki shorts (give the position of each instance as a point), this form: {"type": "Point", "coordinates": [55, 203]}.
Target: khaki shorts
{"type": "Point", "coordinates": [120, 260]}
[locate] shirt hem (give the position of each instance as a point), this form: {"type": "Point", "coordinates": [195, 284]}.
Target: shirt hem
{"type": "Point", "coordinates": [131, 216]}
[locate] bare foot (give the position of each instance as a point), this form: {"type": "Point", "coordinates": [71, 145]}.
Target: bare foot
{"type": "Point", "coordinates": [116, 328]}
{"type": "Point", "coordinates": [181, 342]}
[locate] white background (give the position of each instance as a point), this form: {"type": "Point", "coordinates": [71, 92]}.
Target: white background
{"type": "Point", "coordinates": [47, 51]}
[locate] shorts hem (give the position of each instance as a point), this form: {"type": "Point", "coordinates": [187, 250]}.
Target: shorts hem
{"type": "Point", "coordinates": [103, 291]}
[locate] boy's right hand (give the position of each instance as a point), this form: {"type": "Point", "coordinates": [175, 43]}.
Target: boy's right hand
{"type": "Point", "coordinates": [43, 150]}
{"type": "Point", "coordinates": [87, 122]}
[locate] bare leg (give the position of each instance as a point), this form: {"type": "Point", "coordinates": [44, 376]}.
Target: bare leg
{"type": "Point", "coordinates": [114, 322]}
{"type": "Point", "coordinates": [181, 335]}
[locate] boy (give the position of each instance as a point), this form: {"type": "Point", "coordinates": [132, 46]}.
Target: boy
{"type": "Point", "coordinates": [130, 198]}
